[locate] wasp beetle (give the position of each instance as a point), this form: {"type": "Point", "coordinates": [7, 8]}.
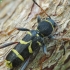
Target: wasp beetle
{"type": "Point", "coordinates": [28, 47]}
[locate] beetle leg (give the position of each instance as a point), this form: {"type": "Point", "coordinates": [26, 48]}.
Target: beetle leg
{"type": "Point", "coordinates": [34, 54]}
{"type": "Point", "coordinates": [38, 19]}
{"type": "Point", "coordinates": [8, 44]}
{"type": "Point", "coordinates": [51, 37]}
{"type": "Point", "coordinates": [45, 50]}
{"type": "Point", "coordinates": [23, 29]}
{"type": "Point", "coordinates": [24, 64]}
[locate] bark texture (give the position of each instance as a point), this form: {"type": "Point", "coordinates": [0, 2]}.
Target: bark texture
{"type": "Point", "coordinates": [23, 13]}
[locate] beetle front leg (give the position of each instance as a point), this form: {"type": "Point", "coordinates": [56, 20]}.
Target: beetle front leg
{"type": "Point", "coordinates": [22, 29]}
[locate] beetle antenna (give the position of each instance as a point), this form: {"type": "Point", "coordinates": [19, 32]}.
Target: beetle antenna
{"type": "Point", "coordinates": [40, 8]}
{"type": "Point", "coordinates": [23, 29]}
{"type": "Point", "coordinates": [8, 44]}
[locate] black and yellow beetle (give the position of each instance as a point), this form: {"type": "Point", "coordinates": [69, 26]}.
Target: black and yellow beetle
{"type": "Point", "coordinates": [28, 47]}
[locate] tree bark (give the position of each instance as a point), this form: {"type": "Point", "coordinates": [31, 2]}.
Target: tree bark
{"type": "Point", "coordinates": [23, 13]}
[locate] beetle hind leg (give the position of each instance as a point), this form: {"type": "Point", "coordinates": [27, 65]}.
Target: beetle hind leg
{"type": "Point", "coordinates": [24, 64]}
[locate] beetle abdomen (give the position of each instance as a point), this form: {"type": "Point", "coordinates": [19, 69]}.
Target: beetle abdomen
{"type": "Point", "coordinates": [23, 50]}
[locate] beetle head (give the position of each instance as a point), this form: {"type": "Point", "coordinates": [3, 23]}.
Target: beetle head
{"type": "Point", "coordinates": [45, 26]}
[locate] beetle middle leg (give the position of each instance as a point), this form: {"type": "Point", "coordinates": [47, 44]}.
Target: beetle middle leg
{"type": "Point", "coordinates": [45, 50]}
{"type": "Point", "coordinates": [51, 37]}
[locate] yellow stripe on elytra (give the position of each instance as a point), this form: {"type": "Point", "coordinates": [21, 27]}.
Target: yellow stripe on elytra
{"type": "Point", "coordinates": [29, 48]}
{"type": "Point", "coordinates": [39, 43]}
{"type": "Point", "coordinates": [8, 64]}
{"type": "Point", "coordinates": [23, 42]}
{"type": "Point", "coordinates": [50, 23]}
{"type": "Point", "coordinates": [37, 35]}
{"type": "Point", "coordinates": [17, 54]}
{"type": "Point", "coordinates": [41, 34]}
{"type": "Point", "coordinates": [29, 33]}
